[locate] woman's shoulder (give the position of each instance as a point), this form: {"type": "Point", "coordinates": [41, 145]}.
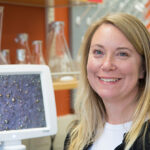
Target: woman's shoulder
{"type": "Point", "coordinates": [143, 140]}
{"type": "Point", "coordinates": [67, 142]}
{"type": "Point", "coordinates": [147, 135]}
{"type": "Point", "coordinates": [145, 130]}
{"type": "Point", "coordinates": [68, 137]}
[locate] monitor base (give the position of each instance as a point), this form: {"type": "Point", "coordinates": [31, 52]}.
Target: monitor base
{"type": "Point", "coordinates": [12, 145]}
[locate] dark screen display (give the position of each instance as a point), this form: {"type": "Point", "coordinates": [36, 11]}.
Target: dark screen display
{"type": "Point", "coordinates": [21, 102]}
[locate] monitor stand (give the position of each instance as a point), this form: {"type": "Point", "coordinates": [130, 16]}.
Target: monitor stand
{"type": "Point", "coordinates": [12, 145]}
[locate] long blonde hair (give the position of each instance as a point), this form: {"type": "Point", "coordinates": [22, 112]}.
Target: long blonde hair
{"type": "Point", "coordinates": [89, 106]}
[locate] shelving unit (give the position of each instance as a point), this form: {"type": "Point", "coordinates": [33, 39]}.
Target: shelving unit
{"type": "Point", "coordinates": [40, 3]}
{"type": "Point", "coordinates": [47, 3]}
{"type": "Point", "coordinates": [65, 85]}
{"type": "Point", "coordinates": [30, 16]}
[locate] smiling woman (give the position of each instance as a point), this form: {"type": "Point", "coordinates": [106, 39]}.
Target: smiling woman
{"type": "Point", "coordinates": [113, 70]}
{"type": "Point", "coordinates": [113, 101]}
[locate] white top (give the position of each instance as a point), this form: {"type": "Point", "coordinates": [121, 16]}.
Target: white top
{"type": "Point", "coordinates": [111, 137]}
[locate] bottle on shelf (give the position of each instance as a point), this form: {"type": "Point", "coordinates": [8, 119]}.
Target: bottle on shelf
{"type": "Point", "coordinates": [22, 43]}
{"type": "Point", "coordinates": [20, 56]}
{"type": "Point", "coordinates": [6, 54]}
{"type": "Point", "coordinates": [38, 57]}
{"type": "Point", "coordinates": [60, 61]}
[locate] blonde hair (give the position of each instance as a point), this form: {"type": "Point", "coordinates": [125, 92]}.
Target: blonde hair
{"type": "Point", "coordinates": [89, 106]}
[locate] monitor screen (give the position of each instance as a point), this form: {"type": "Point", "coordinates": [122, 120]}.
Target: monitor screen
{"type": "Point", "coordinates": [27, 103]}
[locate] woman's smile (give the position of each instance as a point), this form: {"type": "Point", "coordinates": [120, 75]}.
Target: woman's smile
{"type": "Point", "coordinates": [109, 79]}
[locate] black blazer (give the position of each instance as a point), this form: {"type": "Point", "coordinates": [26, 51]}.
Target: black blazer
{"type": "Point", "coordinates": [141, 143]}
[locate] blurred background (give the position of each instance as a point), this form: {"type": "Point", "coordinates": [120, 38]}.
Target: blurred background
{"type": "Point", "coordinates": [50, 32]}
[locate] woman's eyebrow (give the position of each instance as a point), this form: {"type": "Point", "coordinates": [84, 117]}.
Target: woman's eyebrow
{"type": "Point", "coordinates": [124, 48]}
{"type": "Point", "coordinates": [118, 48]}
{"type": "Point", "coordinates": [97, 45]}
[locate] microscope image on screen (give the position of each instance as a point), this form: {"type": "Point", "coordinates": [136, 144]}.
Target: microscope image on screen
{"type": "Point", "coordinates": [21, 102]}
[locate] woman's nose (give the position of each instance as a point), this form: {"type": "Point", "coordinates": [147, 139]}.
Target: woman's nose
{"type": "Point", "coordinates": [108, 64]}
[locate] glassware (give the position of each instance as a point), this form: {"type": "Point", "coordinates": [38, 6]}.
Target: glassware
{"type": "Point", "coordinates": [60, 60]}
{"type": "Point", "coordinates": [2, 59]}
{"type": "Point", "coordinates": [21, 56]}
{"type": "Point", "coordinates": [38, 57]}
{"type": "Point", "coordinates": [22, 43]}
{"type": "Point", "coordinates": [1, 23]}
{"type": "Point", "coordinates": [6, 54]}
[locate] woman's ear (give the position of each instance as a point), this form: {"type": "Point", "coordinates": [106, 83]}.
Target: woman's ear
{"type": "Point", "coordinates": [142, 72]}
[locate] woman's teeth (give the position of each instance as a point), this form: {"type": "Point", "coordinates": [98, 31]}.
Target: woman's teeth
{"type": "Point", "coordinates": [109, 80]}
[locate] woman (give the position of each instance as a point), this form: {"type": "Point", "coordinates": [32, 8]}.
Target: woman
{"type": "Point", "coordinates": [113, 100]}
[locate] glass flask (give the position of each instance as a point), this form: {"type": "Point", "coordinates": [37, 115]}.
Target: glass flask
{"type": "Point", "coordinates": [22, 43]}
{"type": "Point", "coordinates": [3, 61]}
{"type": "Point", "coordinates": [1, 23]}
{"type": "Point", "coordinates": [60, 61]}
{"type": "Point", "coordinates": [6, 54]}
{"type": "Point", "coordinates": [21, 56]}
{"type": "Point", "coordinates": [2, 58]}
{"type": "Point", "coordinates": [37, 52]}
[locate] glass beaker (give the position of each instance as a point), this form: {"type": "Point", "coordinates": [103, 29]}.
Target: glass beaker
{"type": "Point", "coordinates": [2, 58]}
{"type": "Point", "coordinates": [1, 23]}
{"type": "Point", "coordinates": [21, 56]}
{"type": "Point", "coordinates": [22, 43]}
{"type": "Point", "coordinates": [6, 54]}
{"type": "Point", "coordinates": [60, 60]}
{"type": "Point", "coordinates": [38, 57]}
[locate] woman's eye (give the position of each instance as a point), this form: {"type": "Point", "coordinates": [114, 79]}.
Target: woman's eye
{"type": "Point", "coordinates": [98, 52]}
{"type": "Point", "coordinates": [123, 54]}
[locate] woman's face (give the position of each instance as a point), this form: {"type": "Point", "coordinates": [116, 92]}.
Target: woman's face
{"type": "Point", "coordinates": [114, 66]}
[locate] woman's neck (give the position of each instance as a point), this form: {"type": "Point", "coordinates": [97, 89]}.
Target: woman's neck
{"type": "Point", "coordinates": [122, 112]}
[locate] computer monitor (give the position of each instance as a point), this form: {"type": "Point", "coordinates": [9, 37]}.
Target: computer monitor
{"type": "Point", "coordinates": [27, 104]}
